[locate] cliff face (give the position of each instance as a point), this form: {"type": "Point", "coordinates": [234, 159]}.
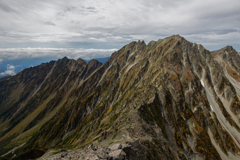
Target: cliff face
{"type": "Point", "coordinates": [169, 99]}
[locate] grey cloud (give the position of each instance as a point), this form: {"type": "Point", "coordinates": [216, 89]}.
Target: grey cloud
{"type": "Point", "coordinates": [50, 23]}
{"type": "Point", "coordinates": [6, 8]}
{"type": "Point", "coordinates": [226, 31]}
{"type": "Point", "coordinates": [202, 21]}
{"type": "Point", "coordinates": [21, 53]}
{"type": "Point", "coordinates": [91, 8]}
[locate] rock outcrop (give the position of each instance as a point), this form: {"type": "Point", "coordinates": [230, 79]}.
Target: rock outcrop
{"type": "Point", "coordinates": [114, 152]}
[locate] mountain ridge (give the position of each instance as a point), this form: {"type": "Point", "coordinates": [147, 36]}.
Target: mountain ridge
{"type": "Point", "coordinates": [174, 97]}
{"type": "Point", "coordinates": [22, 64]}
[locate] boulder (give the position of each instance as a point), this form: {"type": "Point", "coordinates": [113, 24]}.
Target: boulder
{"type": "Point", "coordinates": [115, 147]}
{"type": "Point", "coordinates": [94, 147]}
{"type": "Point", "coordinates": [117, 155]}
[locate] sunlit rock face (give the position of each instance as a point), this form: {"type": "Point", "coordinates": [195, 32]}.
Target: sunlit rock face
{"type": "Point", "coordinates": [169, 99]}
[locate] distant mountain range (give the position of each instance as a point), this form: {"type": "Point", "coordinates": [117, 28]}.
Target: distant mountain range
{"type": "Point", "coordinates": [168, 99]}
{"type": "Point", "coordinates": [20, 64]}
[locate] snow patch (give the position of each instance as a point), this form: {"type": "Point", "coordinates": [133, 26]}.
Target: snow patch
{"type": "Point", "coordinates": [211, 107]}
{"type": "Point", "coordinates": [202, 82]}
{"type": "Point", "coordinates": [195, 109]}
{"type": "Point", "coordinates": [198, 47]}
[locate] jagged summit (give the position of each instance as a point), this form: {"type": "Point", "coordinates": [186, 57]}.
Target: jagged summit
{"type": "Point", "coordinates": [224, 49]}
{"type": "Point", "coordinates": [79, 60]}
{"type": "Point", "coordinates": [93, 61]}
{"type": "Point", "coordinates": [169, 99]}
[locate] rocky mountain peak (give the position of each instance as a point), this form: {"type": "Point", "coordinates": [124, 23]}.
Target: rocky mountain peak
{"type": "Point", "coordinates": [176, 38]}
{"type": "Point", "coordinates": [169, 99]}
{"type": "Point", "coordinates": [93, 62]}
{"type": "Point", "coordinates": [228, 48]}
{"type": "Point", "coordinates": [64, 59]}
{"type": "Point", "coordinates": [80, 61]}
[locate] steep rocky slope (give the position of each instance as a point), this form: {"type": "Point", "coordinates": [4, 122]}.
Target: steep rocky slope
{"type": "Point", "coordinates": [169, 99]}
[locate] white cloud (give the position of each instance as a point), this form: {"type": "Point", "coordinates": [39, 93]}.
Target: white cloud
{"type": "Point", "coordinates": [21, 53]}
{"type": "Point", "coordinates": [1, 61]}
{"type": "Point", "coordinates": [10, 71]}
{"type": "Point", "coordinates": [61, 21]}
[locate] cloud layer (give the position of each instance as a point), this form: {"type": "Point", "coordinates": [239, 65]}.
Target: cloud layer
{"type": "Point", "coordinates": [10, 71]}
{"type": "Point", "coordinates": [56, 53]}
{"type": "Point", "coordinates": [62, 23]}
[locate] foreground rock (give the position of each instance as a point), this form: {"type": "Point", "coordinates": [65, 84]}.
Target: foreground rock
{"type": "Point", "coordinates": [114, 152]}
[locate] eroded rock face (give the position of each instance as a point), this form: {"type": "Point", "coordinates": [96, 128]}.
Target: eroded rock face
{"type": "Point", "coordinates": [169, 99]}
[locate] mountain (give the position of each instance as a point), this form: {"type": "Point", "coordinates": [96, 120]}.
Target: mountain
{"type": "Point", "coordinates": [20, 64]}
{"type": "Point", "coordinates": [169, 99]}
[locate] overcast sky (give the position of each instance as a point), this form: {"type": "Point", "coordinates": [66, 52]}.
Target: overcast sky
{"type": "Point", "coordinates": [79, 28]}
